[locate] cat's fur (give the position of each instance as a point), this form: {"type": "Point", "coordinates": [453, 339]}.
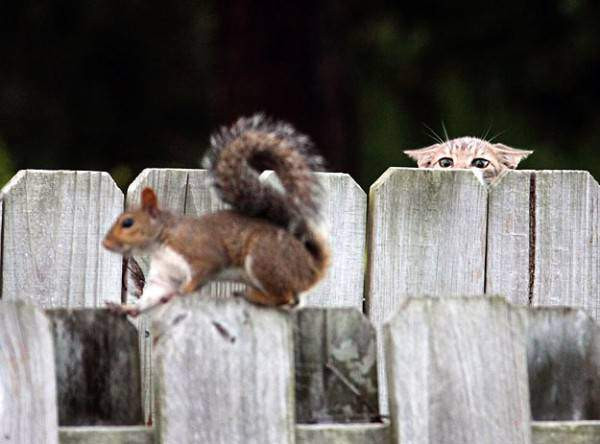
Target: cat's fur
{"type": "Point", "coordinates": [490, 159]}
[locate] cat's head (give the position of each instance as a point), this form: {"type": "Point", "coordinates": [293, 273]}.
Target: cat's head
{"type": "Point", "coordinates": [469, 152]}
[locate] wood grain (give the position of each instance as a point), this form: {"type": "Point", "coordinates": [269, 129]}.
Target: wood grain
{"type": "Point", "coordinates": [565, 432]}
{"type": "Point", "coordinates": [427, 235]}
{"type": "Point", "coordinates": [345, 219]}
{"type": "Point", "coordinates": [54, 222]}
{"type": "Point", "coordinates": [563, 355]}
{"type": "Point", "coordinates": [27, 377]}
{"type": "Point", "coordinates": [508, 237]}
{"type": "Point", "coordinates": [344, 211]}
{"type": "Point", "coordinates": [457, 372]}
{"type": "Point", "coordinates": [567, 264]}
{"type": "Point", "coordinates": [335, 362]}
{"type": "Point", "coordinates": [224, 374]}
{"type": "Point", "coordinates": [106, 435]}
{"type": "Point", "coordinates": [97, 367]}
{"type": "Point", "coordinates": [376, 433]}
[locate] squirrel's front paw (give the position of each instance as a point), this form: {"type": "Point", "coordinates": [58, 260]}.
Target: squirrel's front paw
{"type": "Point", "coordinates": [122, 310]}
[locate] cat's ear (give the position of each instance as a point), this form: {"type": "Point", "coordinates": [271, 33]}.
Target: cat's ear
{"type": "Point", "coordinates": [510, 157]}
{"type": "Point", "coordinates": [423, 156]}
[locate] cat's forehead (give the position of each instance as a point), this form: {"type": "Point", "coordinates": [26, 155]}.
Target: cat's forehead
{"type": "Point", "coordinates": [466, 146]}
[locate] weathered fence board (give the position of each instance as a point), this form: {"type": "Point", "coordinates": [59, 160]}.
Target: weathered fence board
{"type": "Point", "coordinates": [97, 368]}
{"type": "Point", "coordinates": [54, 222]}
{"type": "Point", "coordinates": [344, 209]}
{"type": "Point", "coordinates": [224, 374]}
{"type": "Point", "coordinates": [567, 240]}
{"type": "Point", "coordinates": [106, 435]}
{"type": "Point", "coordinates": [376, 433]}
{"type": "Point", "coordinates": [335, 363]}
{"type": "Point", "coordinates": [563, 355]}
{"type": "Point", "coordinates": [457, 372]}
{"type": "Point", "coordinates": [508, 237]}
{"type": "Point", "coordinates": [427, 235]}
{"type": "Point", "coordinates": [569, 432]}
{"type": "Point", "coordinates": [427, 230]}
{"type": "Point", "coordinates": [305, 434]}
{"type": "Point", "coordinates": [344, 206]}
{"type": "Point", "coordinates": [27, 379]}
{"type": "Point", "coordinates": [182, 191]}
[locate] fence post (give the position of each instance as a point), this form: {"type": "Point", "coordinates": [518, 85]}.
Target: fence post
{"type": "Point", "coordinates": [224, 374]}
{"type": "Point", "coordinates": [27, 379]}
{"type": "Point", "coordinates": [457, 372]}
{"type": "Point", "coordinates": [508, 237]}
{"type": "Point", "coordinates": [427, 235]}
{"type": "Point", "coordinates": [344, 206]}
{"type": "Point", "coordinates": [54, 222]}
{"type": "Point", "coordinates": [567, 240]}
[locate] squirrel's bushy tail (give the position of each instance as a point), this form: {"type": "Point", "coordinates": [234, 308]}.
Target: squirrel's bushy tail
{"type": "Point", "coordinates": [241, 152]}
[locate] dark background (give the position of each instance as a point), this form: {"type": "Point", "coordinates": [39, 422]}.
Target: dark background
{"type": "Point", "coordinates": [124, 85]}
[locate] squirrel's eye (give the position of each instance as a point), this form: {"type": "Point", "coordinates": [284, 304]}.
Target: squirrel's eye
{"type": "Point", "coordinates": [127, 222]}
{"type": "Point", "coordinates": [480, 163]}
{"type": "Point", "coordinates": [446, 162]}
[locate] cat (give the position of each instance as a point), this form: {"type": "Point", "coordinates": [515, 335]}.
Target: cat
{"type": "Point", "coordinates": [489, 160]}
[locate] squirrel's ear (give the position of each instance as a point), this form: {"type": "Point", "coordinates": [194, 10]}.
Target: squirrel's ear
{"type": "Point", "coordinates": [149, 201]}
{"type": "Point", "coordinates": [423, 156]}
{"type": "Point", "coordinates": [510, 157]}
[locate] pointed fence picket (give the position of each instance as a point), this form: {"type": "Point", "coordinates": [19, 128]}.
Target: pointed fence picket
{"type": "Point", "coordinates": [52, 228]}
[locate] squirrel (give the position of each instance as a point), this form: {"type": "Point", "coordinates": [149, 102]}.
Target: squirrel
{"type": "Point", "coordinates": [268, 240]}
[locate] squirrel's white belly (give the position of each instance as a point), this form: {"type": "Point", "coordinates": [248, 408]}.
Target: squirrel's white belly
{"type": "Point", "coordinates": [171, 268]}
{"type": "Point", "coordinates": [167, 264]}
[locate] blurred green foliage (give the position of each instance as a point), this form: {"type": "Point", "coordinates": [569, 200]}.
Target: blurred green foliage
{"type": "Point", "coordinates": [7, 168]}
{"type": "Point", "coordinates": [121, 87]}
{"type": "Point", "coordinates": [523, 71]}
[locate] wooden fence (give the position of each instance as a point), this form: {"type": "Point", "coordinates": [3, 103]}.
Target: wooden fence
{"type": "Point", "coordinates": [460, 368]}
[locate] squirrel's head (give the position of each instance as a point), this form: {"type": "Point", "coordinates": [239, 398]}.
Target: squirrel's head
{"type": "Point", "coordinates": [135, 231]}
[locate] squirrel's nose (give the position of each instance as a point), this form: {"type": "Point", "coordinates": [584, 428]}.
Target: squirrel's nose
{"type": "Point", "coordinates": [108, 244]}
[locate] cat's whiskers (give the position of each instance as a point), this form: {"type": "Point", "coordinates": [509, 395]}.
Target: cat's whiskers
{"type": "Point", "coordinates": [435, 136]}
{"type": "Point", "coordinates": [487, 131]}
{"type": "Point", "coordinates": [497, 135]}
{"type": "Point", "coordinates": [445, 131]}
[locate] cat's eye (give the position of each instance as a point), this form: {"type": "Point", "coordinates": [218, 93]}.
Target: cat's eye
{"type": "Point", "coordinates": [127, 222]}
{"type": "Point", "coordinates": [446, 162]}
{"type": "Point", "coordinates": [480, 163]}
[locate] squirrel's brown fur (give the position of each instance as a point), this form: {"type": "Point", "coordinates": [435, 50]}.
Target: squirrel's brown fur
{"type": "Point", "coordinates": [267, 240]}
